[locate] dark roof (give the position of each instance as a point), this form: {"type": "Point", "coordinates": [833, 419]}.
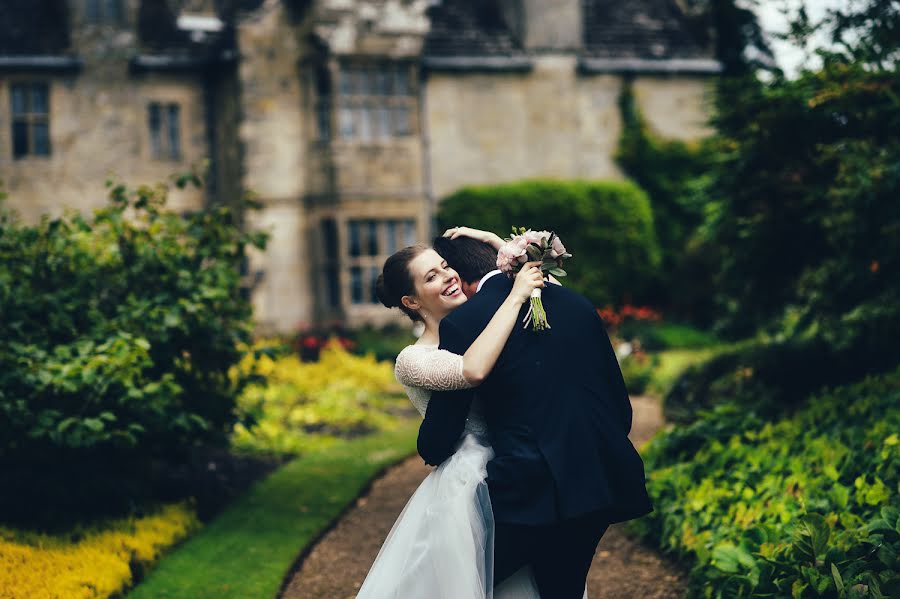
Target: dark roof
{"type": "Point", "coordinates": [38, 27]}
{"type": "Point", "coordinates": [653, 29]}
{"type": "Point", "coordinates": [468, 28]}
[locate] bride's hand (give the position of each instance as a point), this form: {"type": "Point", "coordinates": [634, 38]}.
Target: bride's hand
{"type": "Point", "coordinates": [485, 236]}
{"type": "Point", "coordinates": [527, 280]}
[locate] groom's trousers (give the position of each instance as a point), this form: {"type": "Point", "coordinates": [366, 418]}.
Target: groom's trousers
{"type": "Point", "coordinates": [560, 554]}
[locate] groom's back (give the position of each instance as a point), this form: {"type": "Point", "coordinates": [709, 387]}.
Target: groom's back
{"type": "Point", "coordinates": [558, 413]}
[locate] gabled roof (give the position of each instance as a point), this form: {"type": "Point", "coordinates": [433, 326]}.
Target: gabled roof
{"type": "Point", "coordinates": [37, 27]}
{"type": "Point", "coordinates": [468, 28]}
{"type": "Point", "coordinates": [650, 29]}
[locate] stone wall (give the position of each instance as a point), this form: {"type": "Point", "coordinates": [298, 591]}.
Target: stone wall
{"type": "Point", "coordinates": [551, 122]}
{"type": "Point", "coordinates": [273, 139]}
{"type": "Point", "coordinates": [98, 127]}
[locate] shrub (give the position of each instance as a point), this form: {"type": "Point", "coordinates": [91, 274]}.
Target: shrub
{"type": "Point", "coordinates": [117, 334]}
{"type": "Point", "coordinates": [93, 562]}
{"type": "Point", "coordinates": [607, 226]}
{"type": "Point", "coordinates": [805, 506]}
{"type": "Point", "coordinates": [772, 376]}
{"type": "Point", "coordinates": [674, 174]}
{"type": "Point", "coordinates": [305, 404]}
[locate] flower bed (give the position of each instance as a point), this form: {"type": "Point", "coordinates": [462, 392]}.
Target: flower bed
{"type": "Point", "coordinates": [89, 562]}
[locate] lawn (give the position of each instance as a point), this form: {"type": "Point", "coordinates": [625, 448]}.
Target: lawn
{"type": "Point", "coordinates": [249, 548]}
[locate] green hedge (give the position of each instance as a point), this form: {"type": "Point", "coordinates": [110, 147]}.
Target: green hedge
{"type": "Point", "coordinates": [607, 226]}
{"type": "Point", "coordinates": [117, 336]}
{"type": "Point", "coordinates": [806, 506]}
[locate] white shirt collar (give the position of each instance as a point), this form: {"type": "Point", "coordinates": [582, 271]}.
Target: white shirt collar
{"type": "Point", "coordinates": [485, 278]}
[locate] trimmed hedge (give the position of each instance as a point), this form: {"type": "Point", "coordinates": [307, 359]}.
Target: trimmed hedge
{"type": "Point", "coordinates": [805, 506]}
{"type": "Point", "coordinates": [606, 225]}
{"type": "Point", "coordinates": [117, 335]}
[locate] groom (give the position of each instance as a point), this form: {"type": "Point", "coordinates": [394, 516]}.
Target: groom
{"type": "Point", "coordinates": [558, 414]}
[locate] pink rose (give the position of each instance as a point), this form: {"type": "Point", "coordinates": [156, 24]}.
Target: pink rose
{"type": "Point", "coordinates": [557, 248]}
{"type": "Point", "coordinates": [536, 236]}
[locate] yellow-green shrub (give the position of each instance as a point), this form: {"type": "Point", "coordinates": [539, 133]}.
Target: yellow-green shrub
{"type": "Point", "coordinates": [307, 404]}
{"type": "Point", "coordinates": [88, 562]}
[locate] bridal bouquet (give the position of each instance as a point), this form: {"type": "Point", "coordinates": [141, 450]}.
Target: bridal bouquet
{"type": "Point", "coordinates": [533, 246]}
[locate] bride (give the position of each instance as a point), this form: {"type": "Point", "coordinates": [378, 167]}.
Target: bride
{"type": "Point", "coordinates": [441, 545]}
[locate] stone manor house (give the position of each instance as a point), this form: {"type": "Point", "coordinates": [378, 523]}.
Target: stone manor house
{"type": "Point", "coordinates": [349, 119]}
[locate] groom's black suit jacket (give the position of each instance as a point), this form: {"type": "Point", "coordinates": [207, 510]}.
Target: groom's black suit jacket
{"type": "Point", "coordinates": [557, 410]}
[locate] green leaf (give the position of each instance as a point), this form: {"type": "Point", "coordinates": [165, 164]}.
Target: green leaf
{"type": "Point", "coordinates": [94, 424]}
{"type": "Point", "coordinates": [838, 581]}
{"type": "Point", "coordinates": [557, 272]}
{"type": "Point", "coordinates": [811, 537]}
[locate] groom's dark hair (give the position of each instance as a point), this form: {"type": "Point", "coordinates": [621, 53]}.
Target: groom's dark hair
{"type": "Point", "coordinates": [470, 258]}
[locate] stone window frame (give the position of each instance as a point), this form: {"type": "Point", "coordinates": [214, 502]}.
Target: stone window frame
{"type": "Point", "coordinates": [366, 103]}
{"type": "Point", "coordinates": [104, 12]}
{"type": "Point", "coordinates": [31, 119]}
{"type": "Point", "coordinates": [164, 151]}
{"type": "Point", "coordinates": [362, 266]}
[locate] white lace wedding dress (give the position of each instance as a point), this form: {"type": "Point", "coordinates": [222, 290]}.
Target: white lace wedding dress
{"type": "Point", "coordinates": [442, 544]}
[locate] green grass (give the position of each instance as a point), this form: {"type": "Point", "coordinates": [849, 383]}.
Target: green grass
{"type": "Point", "coordinates": [246, 551]}
{"type": "Point", "coordinates": [672, 362]}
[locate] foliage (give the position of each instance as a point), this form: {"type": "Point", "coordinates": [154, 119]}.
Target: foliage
{"type": "Point", "coordinates": [118, 331]}
{"type": "Point", "coordinates": [92, 562]}
{"type": "Point", "coordinates": [637, 370]}
{"type": "Point", "coordinates": [806, 506]}
{"type": "Point", "coordinates": [247, 550]}
{"type": "Point", "coordinates": [805, 216]}
{"type": "Point", "coordinates": [673, 173]}
{"type": "Point", "coordinates": [308, 404]}
{"type": "Point", "coordinates": [607, 226]}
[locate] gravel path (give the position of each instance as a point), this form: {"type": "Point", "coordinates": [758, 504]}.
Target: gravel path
{"type": "Point", "coordinates": [336, 566]}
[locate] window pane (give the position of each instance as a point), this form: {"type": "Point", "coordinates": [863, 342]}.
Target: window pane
{"type": "Point", "coordinates": [349, 82]}
{"type": "Point", "coordinates": [353, 234]}
{"type": "Point", "coordinates": [401, 81]}
{"type": "Point", "coordinates": [41, 140]}
{"type": "Point", "coordinates": [92, 11]}
{"type": "Point", "coordinates": [19, 101]}
{"type": "Point", "coordinates": [356, 285]}
{"type": "Point", "coordinates": [323, 121]}
{"type": "Point", "coordinates": [391, 236]}
{"type": "Point", "coordinates": [383, 122]}
{"type": "Point", "coordinates": [365, 122]}
{"type": "Point", "coordinates": [153, 121]}
{"type": "Point", "coordinates": [372, 235]}
{"type": "Point", "coordinates": [39, 101]}
{"type": "Point", "coordinates": [373, 279]}
{"type": "Point", "coordinates": [114, 11]}
{"type": "Point", "coordinates": [346, 123]}
{"type": "Point", "coordinates": [402, 125]}
{"type": "Point", "coordinates": [409, 230]}
{"type": "Point", "coordinates": [20, 139]}
{"type": "Point", "coordinates": [383, 82]}
{"type": "Point", "coordinates": [174, 131]}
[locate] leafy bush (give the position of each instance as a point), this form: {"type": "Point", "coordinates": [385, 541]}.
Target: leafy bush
{"type": "Point", "coordinates": [305, 404]}
{"type": "Point", "coordinates": [118, 331]}
{"type": "Point", "coordinates": [806, 506]}
{"type": "Point", "coordinates": [674, 174]}
{"type": "Point", "coordinates": [607, 226]}
{"type": "Point", "coordinates": [772, 376]}
{"type": "Point", "coordinates": [804, 214]}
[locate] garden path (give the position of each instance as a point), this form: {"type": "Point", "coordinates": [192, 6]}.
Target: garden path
{"type": "Point", "coordinates": [623, 567]}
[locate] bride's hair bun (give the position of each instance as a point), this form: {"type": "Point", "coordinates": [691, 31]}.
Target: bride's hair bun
{"type": "Point", "coordinates": [381, 291]}
{"type": "Point", "coordinates": [395, 280]}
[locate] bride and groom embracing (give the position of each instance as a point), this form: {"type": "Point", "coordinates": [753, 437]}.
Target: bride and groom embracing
{"type": "Point", "coordinates": [527, 430]}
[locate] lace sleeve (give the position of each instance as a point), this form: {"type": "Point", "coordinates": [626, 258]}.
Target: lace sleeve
{"type": "Point", "coordinates": [434, 369]}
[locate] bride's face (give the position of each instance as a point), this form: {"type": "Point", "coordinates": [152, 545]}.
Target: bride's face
{"type": "Point", "coordinates": [437, 286]}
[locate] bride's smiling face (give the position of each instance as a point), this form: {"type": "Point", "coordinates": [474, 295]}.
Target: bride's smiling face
{"type": "Point", "coordinates": [438, 290]}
